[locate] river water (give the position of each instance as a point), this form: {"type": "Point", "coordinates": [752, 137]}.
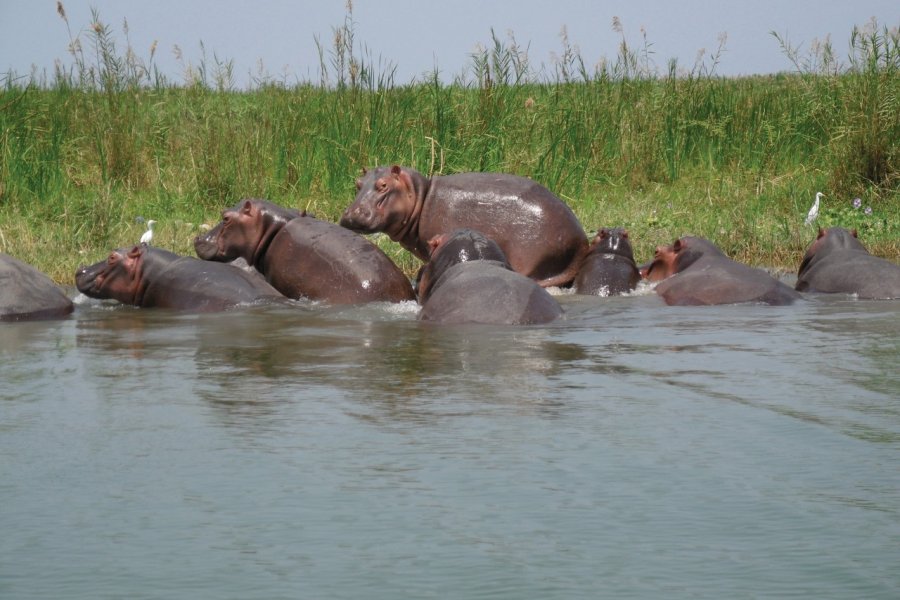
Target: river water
{"type": "Point", "coordinates": [632, 450]}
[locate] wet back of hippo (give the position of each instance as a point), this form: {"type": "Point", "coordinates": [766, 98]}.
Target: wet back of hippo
{"type": "Point", "coordinates": [484, 292]}
{"type": "Point", "coordinates": [851, 271]}
{"type": "Point", "coordinates": [606, 274]}
{"type": "Point", "coordinates": [537, 231]}
{"type": "Point", "coordinates": [26, 293]}
{"type": "Point", "coordinates": [202, 286]}
{"type": "Point", "coordinates": [719, 280]}
{"type": "Point", "coordinates": [322, 261]}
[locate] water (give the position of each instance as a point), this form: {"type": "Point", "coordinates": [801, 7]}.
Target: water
{"type": "Point", "coordinates": [633, 450]}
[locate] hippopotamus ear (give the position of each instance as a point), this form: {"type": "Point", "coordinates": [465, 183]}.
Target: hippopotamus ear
{"type": "Point", "coordinates": [395, 171]}
{"type": "Point", "coordinates": [135, 251]}
{"type": "Point", "coordinates": [678, 245]}
{"type": "Point", "coordinates": [821, 233]}
{"type": "Point", "coordinates": [624, 234]}
{"type": "Point", "coordinates": [853, 232]}
{"type": "Point", "coordinates": [247, 207]}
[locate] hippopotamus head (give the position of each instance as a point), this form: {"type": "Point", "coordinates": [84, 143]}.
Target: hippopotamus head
{"type": "Point", "coordinates": [449, 249]}
{"type": "Point", "coordinates": [678, 256]}
{"type": "Point", "coordinates": [119, 277]}
{"type": "Point", "coordinates": [387, 199]}
{"type": "Point", "coordinates": [828, 240]}
{"type": "Point", "coordinates": [612, 241]}
{"type": "Point", "coordinates": [244, 231]}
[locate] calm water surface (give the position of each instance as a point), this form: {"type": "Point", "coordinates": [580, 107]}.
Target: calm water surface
{"type": "Point", "coordinates": [633, 450]}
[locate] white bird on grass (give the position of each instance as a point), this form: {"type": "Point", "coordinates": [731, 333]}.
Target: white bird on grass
{"type": "Point", "coordinates": [148, 235]}
{"type": "Point", "coordinates": [814, 210]}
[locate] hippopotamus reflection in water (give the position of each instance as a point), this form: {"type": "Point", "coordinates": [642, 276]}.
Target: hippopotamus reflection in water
{"type": "Point", "coordinates": [468, 280]}
{"type": "Point", "coordinates": [609, 268]}
{"type": "Point", "coordinates": [28, 294]}
{"type": "Point", "coordinates": [694, 271]}
{"type": "Point", "coordinates": [537, 231]}
{"type": "Point", "coordinates": [303, 257]}
{"type": "Point", "coordinates": [154, 278]}
{"type": "Point", "coordinates": [837, 262]}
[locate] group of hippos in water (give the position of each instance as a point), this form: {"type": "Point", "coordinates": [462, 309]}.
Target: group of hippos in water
{"type": "Point", "coordinates": [491, 244]}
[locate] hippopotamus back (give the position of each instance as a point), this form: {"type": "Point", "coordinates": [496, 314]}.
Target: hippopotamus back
{"type": "Point", "coordinates": [836, 262]}
{"type": "Point", "coordinates": [609, 268]}
{"type": "Point", "coordinates": [26, 293]}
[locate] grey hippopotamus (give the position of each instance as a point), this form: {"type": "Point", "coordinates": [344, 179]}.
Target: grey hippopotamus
{"type": "Point", "coordinates": [537, 231]}
{"type": "Point", "coordinates": [609, 268]}
{"type": "Point", "coordinates": [154, 278]}
{"type": "Point", "coordinates": [303, 257]}
{"type": "Point", "coordinates": [28, 294]}
{"type": "Point", "coordinates": [837, 262]}
{"type": "Point", "coordinates": [694, 271]}
{"type": "Point", "coordinates": [468, 280]}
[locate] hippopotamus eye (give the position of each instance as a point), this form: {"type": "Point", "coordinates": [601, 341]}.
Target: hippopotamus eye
{"type": "Point", "coordinates": [382, 185]}
{"type": "Point", "coordinates": [112, 258]}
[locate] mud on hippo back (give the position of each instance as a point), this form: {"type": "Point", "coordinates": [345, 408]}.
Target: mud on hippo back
{"type": "Point", "coordinates": [538, 232]}
{"type": "Point", "coordinates": [694, 271]}
{"type": "Point", "coordinates": [304, 257]}
{"type": "Point", "coordinates": [154, 278]}
{"type": "Point", "coordinates": [837, 262]}
{"type": "Point", "coordinates": [468, 280]}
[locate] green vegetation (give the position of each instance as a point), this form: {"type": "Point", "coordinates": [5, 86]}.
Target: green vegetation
{"type": "Point", "coordinates": [109, 142]}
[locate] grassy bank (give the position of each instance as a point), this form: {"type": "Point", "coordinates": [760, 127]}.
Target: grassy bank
{"type": "Point", "coordinates": [86, 157]}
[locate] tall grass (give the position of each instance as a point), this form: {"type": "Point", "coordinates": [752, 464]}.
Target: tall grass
{"type": "Point", "coordinates": [110, 139]}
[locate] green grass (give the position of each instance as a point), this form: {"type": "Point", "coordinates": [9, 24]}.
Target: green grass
{"type": "Point", "coordinates": [738, 160]}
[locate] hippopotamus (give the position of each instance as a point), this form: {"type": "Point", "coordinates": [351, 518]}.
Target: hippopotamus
{"type": "Point", "coordinates": [303, 257]}
{"type": "Point", "coordinates": [694, 271]}
{"type": "Point", "coordinates": [537, 231]}
{"type": "Point", "coordinates": [837, 262]}
{"type": "Point", "coordinates": [609, 268]}
{"type": "Point", "coordinates": [469, 280]}
{"type": "Point", "coordinates": [28, 294]}
{"type": "Point", "coordinates": [151, 277]}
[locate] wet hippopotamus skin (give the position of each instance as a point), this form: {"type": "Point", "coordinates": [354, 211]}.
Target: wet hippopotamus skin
{"type": "Point", "coordinates": [155, 278]}
{"type": "Point", "coordinates": [468, 280]}
{"type": "Point", "coordinates": [694, 271]}
{"type": "Point", "coordinates": [27, 294]}
{"type": "Point", "coordinates": [538, 232]}
{"type": "Point", "coordinates": [304, 257]}
{"type": "Point", "coordinates": [609, 268]}
{"type": "Point", "coordinates": [837, 262]}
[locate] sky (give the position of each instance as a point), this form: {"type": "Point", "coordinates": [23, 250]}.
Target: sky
{"type": "Point", "coordinates": [277, 38]}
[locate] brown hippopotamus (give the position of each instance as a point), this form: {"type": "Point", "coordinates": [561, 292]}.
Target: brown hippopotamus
{"type": "Point", "coordinates": [537, 231]}
{"type": "Point", "coordinates": [302, 256]}
{"type": "Point", "coordinates": [28, 294]}
{"type": "Point", "coordinates": [154, 278]}
{"type": "Point", "coordinates": [609, 268]}
{"type": "Point", "coordinates": [468, 280]}
{"type": "Point", "coordinates": [837, 262]}
{"type": "Point", "coordinates": [695, 271]}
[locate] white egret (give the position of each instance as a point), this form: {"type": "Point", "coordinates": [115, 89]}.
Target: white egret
{"type": "Point", "coordinates": [814, 210]}
{"type": "Point", "coordinates": [148, 235]}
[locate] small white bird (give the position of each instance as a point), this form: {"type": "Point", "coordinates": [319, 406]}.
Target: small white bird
{"type": "Point", "coordinates": [814, 211]}
{"type": "Point", "coordinates": [148, 235]}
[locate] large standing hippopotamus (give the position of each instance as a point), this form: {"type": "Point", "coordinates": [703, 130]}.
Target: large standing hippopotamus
{"type": "Point", "coordinates": [154, 278]}
{"type": "Point", "coordinates": [468, 280]}
{"type": "Point", "coordinates": [302, 256]}
{"type": "Point", "coordinates": [609, 268]}
{"type": "Point", "coordinates": [695, 271]}
{"type": "Point", "coordinates": [537, 231]}
{"type": "Point", "coordinates": [28, 294]}
{"type": "Point", "coordinates": [837, 262]}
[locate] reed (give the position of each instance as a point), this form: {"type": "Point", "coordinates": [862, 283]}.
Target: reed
{"type": "Point", "coordinates": [108, 141]}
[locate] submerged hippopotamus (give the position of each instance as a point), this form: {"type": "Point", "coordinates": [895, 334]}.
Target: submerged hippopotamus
{"type": "Point", "coordinates": [695, 271]}
{"type": "Point", "coordinates": [609, 268]}
{"type": "Point", "coordinates": [537, 231]}
{"type": "Point", "coordinates": [837, 262]}
{"type": "Point", "coordinates": [302, 256]}
{"type": "Point", "coordinates": [468, 280]}
{"type": "Point", "coordinates": [154, 278]}
{"type": "Point", "coordinates": [28, 294]}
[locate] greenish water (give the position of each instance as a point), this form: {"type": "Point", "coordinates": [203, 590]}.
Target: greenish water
{"type": "Point", "coordinates": [632, 450]}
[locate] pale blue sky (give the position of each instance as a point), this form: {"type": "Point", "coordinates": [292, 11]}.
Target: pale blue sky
{"type": "Point", "coordinates": [416, 36]}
